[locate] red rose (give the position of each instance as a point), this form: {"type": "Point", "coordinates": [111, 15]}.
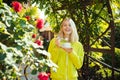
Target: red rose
{"type": "Point", "coordinates": [38, 42]}
{"type": "Point", "coordinates": [40, 23]}
{"type": "Point", "coordinates": [17, 6]}
{"type": "Point", "coordinates": [27, 17]}
{"type": "Point", "coordinates": [43, 76]}
{"type": "Point", "coordinates": [34, 36]}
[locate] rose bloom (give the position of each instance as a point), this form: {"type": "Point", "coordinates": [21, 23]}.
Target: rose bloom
{"type": "Point", "coordinates": [17, 6]}
{"type": "Point", "coordinates": [38, 42]}
{"type": "Point", "coordinates": [27, 17]}
{"type": "Point", "coordinates": [34, 36]}
{"type": "Point", "coordinates": [43, 76]}
{"type": "Point", "coordinates": [40, 23]}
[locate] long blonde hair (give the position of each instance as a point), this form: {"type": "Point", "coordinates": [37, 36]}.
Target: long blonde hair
{"type": "Point", "coordinates": [74, 35]}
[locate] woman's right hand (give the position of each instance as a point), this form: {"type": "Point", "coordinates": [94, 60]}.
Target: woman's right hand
{"type": "Point", "coordinates": [57, 42]}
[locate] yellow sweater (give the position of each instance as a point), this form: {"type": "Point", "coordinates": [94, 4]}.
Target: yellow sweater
{"type": "Point", "coordinates": [67, 63]}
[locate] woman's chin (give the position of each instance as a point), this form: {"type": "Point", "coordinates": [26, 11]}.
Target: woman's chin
{"type": "Point", "coordinates": [67, 33]}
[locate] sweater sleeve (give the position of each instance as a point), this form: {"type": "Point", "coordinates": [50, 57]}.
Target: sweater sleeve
{"type": "Point", "coordinates": [52, 49]}
{"type": "Point", "coordinates": [77, 55]}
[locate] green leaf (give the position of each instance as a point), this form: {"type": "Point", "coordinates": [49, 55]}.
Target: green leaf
{"type": "Point", "coordinates": [22, 22]}
{"type": "Point", "coordinates": [2, 27]}
{"type": "Point", "coordinates": [34, 71]}
{"type": "Point", "coordinates": [3, 47]}
{"type": "Point", "coordinates": [1, 1]}
{"type": "Point", "coordinates": [1, 11]}
{"type": "Point", "coordinates": [7, 23]}
{"type": "Point", "coordinates": [4, 36]}
{"type": "Point", "coordinates": [2, 56]}
{"type": "Point", "coordinates": [18, 52]}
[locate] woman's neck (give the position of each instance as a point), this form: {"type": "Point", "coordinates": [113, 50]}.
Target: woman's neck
{"type": "Point", "coordinates": [66, 37]}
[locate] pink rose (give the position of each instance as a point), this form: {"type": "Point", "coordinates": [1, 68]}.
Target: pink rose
{"type": "Point", "coordinates": [38, 42]}
{"type": "Point", "coordinates": [43, 76]}
{"type": "Point", "coordinates": [40, 23]}
{"type": "Point", "coordinates": [16, 6]}
{"type": "Point", "coordinates": [27, 17]}
{"type": "Point", "coordinates": [34, 36]}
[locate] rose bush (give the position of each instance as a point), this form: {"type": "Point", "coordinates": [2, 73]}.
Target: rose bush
{"type": "Point", "coordinates": [20, 42]}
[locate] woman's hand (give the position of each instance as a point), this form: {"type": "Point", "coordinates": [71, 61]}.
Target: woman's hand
{"type": "Point", "coordinates": [57, 42]}
{"type": "Point", "coordinates": [69, 50]}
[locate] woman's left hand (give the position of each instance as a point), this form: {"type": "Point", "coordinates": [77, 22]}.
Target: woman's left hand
{"type": "Point", "coordinates": [69, 50]}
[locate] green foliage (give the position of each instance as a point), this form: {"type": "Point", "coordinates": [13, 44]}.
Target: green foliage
{"type": "Point", "coordinates": [101, 72]}
{"type": "Point", "coordinates": [108, 57]}
{"type": "Point", "coordinates": [17, 47]}
{"type": "Point", "coordinates": [117, 36]}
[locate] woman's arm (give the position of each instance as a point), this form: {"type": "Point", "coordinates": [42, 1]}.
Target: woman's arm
{"type": "Point", "coordinates": [77, 56]}
{"type": "Point", "coordinates": [53, 50]}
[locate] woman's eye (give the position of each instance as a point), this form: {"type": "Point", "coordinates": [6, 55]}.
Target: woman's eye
{"type": "Point", "coordinates": [65, 25]}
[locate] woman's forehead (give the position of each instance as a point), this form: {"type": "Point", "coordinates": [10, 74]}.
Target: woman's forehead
{"type": "Point", "coordinates": [66, 22]}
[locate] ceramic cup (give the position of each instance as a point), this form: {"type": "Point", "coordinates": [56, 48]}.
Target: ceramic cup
{"type": "Point", "coordinates": [66, 45]}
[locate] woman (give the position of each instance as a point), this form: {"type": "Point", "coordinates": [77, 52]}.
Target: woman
{"type": "Point", "coordinates": [67, 52]}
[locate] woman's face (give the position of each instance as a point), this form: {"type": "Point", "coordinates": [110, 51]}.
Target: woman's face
{"type": "Point", "coordinates": [66, 28]}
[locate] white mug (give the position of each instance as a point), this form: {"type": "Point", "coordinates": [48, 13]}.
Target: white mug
{"type": "Point", "coordinates": [66, 45]}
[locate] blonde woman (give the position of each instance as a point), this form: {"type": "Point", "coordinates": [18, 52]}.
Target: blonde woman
{"type": "Point", "coordinates": [67, 52]}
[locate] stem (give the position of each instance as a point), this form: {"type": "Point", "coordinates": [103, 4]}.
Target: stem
{"type": "Point", "coordinates": [25, 72]}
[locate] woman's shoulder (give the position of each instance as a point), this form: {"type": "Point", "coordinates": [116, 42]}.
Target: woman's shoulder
{"type": "Point", "coordinates": [52, 40]}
